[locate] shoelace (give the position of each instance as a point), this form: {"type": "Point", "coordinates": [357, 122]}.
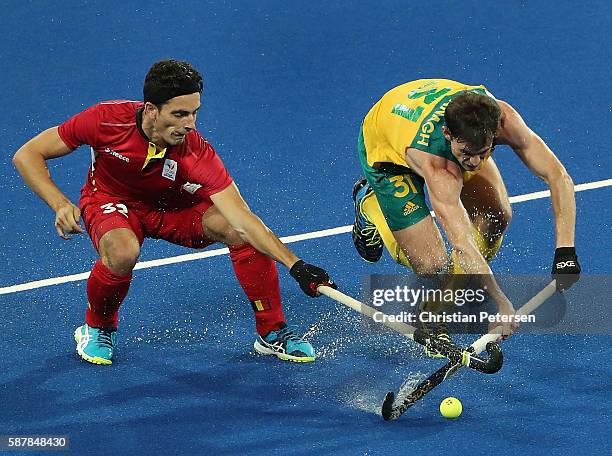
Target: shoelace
{"type": "Point", "coordinates": [286, 334]}
{"type": "Point", "coordinates": [444, 337]}
{"type": "Point", "coordinates": [105, 339]}
{"type": "Point", "coordinates": [442, 333]}
{"type": "Point", "coordinates": [371, 234]}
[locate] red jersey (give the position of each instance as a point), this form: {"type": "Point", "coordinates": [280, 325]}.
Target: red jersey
{"type": "Point", "coordinates": [126, 165]}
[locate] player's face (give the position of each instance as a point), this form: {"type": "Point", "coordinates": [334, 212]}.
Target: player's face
{"type": "Point", "coordinates": [176, 118]}
{"type": "Point", "coordinates": [470, 159]}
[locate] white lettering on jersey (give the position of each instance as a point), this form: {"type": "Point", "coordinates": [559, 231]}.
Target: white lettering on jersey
{"type": "Point", "coordinates": [116, 154]}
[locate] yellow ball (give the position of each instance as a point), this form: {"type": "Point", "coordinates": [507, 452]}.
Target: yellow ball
{"type": "Point", "coordinates": [451, 407]}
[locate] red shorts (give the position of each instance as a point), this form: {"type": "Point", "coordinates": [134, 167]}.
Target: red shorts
{"type": "Point", "coordinates": [182, 224]}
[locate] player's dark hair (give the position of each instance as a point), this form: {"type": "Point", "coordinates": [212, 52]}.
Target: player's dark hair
{"type": "Point", "coordinates": [472, 118]}
{"type": "Point", "coordinates": [171, 78]}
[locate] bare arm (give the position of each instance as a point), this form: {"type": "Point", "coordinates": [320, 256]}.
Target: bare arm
{"type": "Point", "coordinates": [445, 185]}
{"type": "Point", "coordinates": [30, 161]}
{"type": "Point", "coordinates": [252, 230]}
{"type": "Point", "coordinates": [233, 207]}
{"type": "Point", "coordinates": [538, 157]}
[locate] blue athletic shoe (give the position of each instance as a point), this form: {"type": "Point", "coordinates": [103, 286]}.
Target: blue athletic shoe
{"type": "Point", "coordinates": [366, 237]}
{"type": "Point", "coordinates": [95, 345]}
{"type": "Point", "coordinates": [286, 345]}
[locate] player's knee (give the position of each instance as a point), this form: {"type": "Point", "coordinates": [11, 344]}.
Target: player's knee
{"type": "Point", "coordinates": [121, 257]}
{"type": "Point", "coordinates": [233, 237]}
{"type": "Point", "coordinates": [507, 216]}
{"type": "Point", "coordinates": [429, 270]}
{"type": "Point", "coordinates": [500, 221]}
{"type": "Point", "coordinates": [218, 229]}
{"type": "Point", "coordinates": [227, 235]}
{"type": "Point", "coordinates": [429, 266]}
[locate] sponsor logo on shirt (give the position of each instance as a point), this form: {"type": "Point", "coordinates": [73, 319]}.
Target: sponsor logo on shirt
{"type": "Point", "coordinates": [108, 150]}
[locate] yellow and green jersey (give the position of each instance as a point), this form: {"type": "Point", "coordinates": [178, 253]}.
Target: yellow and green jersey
{"type": "Point", "coordinates": [411, 116]}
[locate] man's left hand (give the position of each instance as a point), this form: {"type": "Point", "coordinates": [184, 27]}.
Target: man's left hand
{"type": "Point", "coordinates": [565, 269]}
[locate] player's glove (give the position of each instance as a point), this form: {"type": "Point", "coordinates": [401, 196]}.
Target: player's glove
{"type": "Point", "coordinates": [565, 269]}
{"type": "Point", "coordinates": [310, 277]}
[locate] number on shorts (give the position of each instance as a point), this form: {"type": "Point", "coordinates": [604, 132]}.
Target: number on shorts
{"type": "Point", "coordinates": [109, 208]}
{"type": "Point", "coordinates": [404, 184]}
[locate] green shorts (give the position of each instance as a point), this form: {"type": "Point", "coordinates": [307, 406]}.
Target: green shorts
{"type": "Point", "coordinates": [399, 191]}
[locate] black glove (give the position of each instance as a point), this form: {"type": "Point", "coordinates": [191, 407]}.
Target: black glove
{"type": "Point", "coordinates": [565, 269]}
{"type": "Point", "coordinates": [310, 277]}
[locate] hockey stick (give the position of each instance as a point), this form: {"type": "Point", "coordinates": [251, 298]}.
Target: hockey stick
{"type": "Point", "coordinates": [392, 412]}
{"type": "Point", "coordinates": [456, 355]}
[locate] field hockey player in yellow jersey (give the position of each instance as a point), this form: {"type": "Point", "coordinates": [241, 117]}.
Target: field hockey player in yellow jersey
{"type": "Point", "coordinates": [442, 133]}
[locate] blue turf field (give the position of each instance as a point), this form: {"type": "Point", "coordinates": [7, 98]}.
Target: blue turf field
{"type": "Point", "coordinates": [286, 87]}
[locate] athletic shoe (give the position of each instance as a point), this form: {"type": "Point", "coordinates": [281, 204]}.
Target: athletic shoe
{"type": "Point", "coordinates": [95, 345]}
{"type": "Point", "coordinates": [440, 334]}
{"type": "Point", "coordinates": [286, 345]}
{"type": "Point", "coordinates": [366, 237]}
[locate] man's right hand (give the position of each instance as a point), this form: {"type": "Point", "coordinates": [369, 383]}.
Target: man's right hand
{"type": "Point", "coordinates": [310, 278]}
{"type": "Point", "coordinates": [67, 221]}
{"type": "Point", "coordinates": [507, 328]}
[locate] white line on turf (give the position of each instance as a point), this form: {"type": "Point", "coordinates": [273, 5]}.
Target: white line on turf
{"type": "Point", "coordinates": [286, 240]}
